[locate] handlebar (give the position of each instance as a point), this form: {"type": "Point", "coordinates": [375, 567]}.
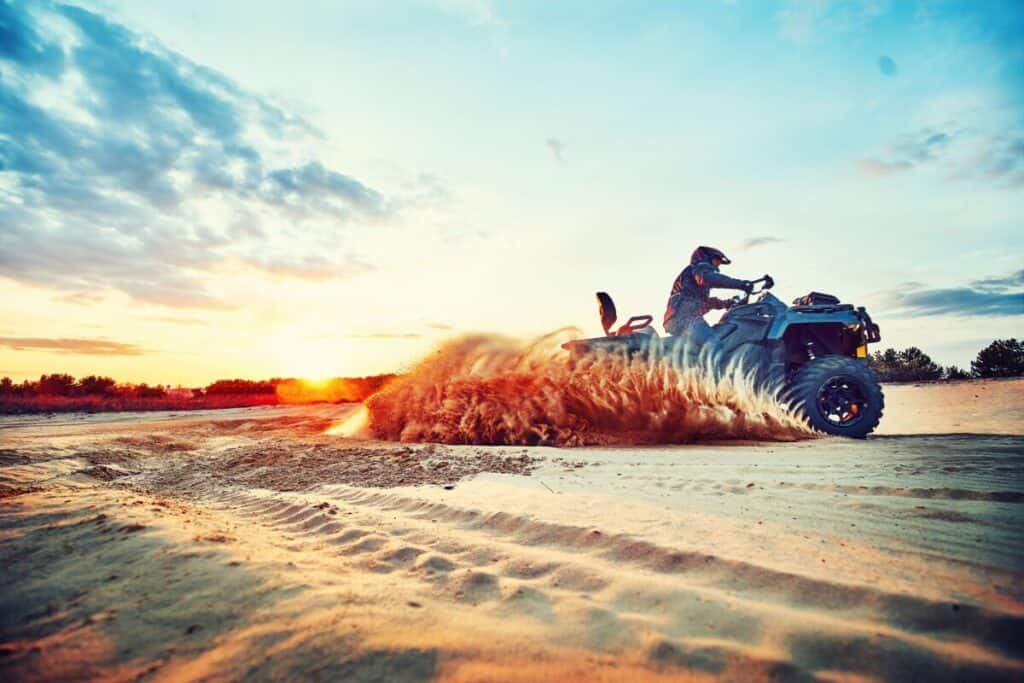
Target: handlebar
{"type": "Point", "coordinates": [766, 282]}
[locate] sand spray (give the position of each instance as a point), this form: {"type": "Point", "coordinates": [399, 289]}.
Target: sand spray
{"type": "Point", "coordinates": [486, 389]}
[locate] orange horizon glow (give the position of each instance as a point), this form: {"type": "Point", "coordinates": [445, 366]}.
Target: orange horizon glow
{"type": "Point", "coordinates": [329, 390]}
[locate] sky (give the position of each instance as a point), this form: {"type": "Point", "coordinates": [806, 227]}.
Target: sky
{"type": "Point", "coordinates": [197, 190]}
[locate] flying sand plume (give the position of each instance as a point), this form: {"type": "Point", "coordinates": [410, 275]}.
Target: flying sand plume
{"type": "Point", "coordinates": [492, 390]}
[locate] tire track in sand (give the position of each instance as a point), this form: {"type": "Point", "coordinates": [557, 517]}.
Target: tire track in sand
{"type": "Point", "coordinates": [615, 593]}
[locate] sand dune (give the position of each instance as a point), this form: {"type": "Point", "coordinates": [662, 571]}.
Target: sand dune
{"type": "Point", "coordinates": [260, 544]}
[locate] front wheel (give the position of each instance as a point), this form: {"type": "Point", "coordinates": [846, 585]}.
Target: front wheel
{"type": "Point", "coordinates": [838, 395]}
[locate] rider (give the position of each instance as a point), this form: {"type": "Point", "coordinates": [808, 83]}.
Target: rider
{"type": "Point", "coordinates": [690, 298]}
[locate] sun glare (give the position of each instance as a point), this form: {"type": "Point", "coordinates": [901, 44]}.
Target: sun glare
{"type": "Point", "coordinates": [354, 425]}
{"type": "Point", "coordinates": [313, 357]}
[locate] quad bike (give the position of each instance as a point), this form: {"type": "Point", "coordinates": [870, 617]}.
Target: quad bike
{"type": "Point", "coordinates": [814, 353]}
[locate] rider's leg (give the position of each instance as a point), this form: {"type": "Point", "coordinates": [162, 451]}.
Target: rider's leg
{"type": "Point", "coordinates": [695, 338]}
{"type": "Point", "coordinates": [699, 334]}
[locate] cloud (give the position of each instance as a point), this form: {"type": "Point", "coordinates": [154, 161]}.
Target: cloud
{"type": "Point", "coordinates": [752, 242]}
{"type": "Point", "coordinates": [887, 66]}
{"type": "Point", "coordinates": [557, 148]}
{"type": "Point", "coordinates": [997, 296]}
{"type": "Point", "coordinates": [877, 167]}
{"type": "Point", "coordinates": [425, 190]}
{"type": "Point", "coordinates": [91, 347]}
{"type": "Point", "coordinates": [78, 298]}
{"type": "Point", "coordinates": [176, 320]}
{"type": "Point", "coordinates": [385, 335]}
{"type": "Point", "coordinates": [478, 12]}
{"type": "Point", "coordinates": [804, 21]}
{"type": "Point", "coordinates": [313, 268]}
{"type": "Point", "coordinates": [961, 153]}
{"type": "Point", "coordinates": [130, 167]}
{"type": "Point", "coordinates": [313, 187]}
{"type": "Point", "coordinates": [999, 284]}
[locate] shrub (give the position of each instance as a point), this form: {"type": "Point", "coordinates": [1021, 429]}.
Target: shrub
{"type": "Point", "coordinates": [94, 385]}
{"type": "Point", "coordinates": [955, 372]}
{"type": "Point", "coordinates": [55, 385]}
{"type": "Point", "coordinates": [1001, 358]}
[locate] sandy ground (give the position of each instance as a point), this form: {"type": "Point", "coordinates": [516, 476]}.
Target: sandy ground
{"type": "Point", "coordinates": [262, 544]}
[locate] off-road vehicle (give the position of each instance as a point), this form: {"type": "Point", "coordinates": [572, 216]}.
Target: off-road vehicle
{"type": "Point", "coordinates": [813, 353]}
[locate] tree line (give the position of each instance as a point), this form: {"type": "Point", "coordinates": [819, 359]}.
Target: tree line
{"type": "Point", "coordinates": [1001, 358]}
{"type": "Point", "coordinates": [59, 391]}
{"type": "Point", "coordinates": [63, 392]}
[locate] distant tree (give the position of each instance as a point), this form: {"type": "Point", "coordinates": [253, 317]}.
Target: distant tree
{"type": "Point", "coordinates": [885, 364]}
{"type": "Point", "coordinates": [94, 385]}
{"type": "Point", "coordinates": [55, 385]}
{"type": "Point", "coordinates": [918, 365]}
{"type": "Point", "coordinates": [909, 365]}
{"type": "Point", "coordinates": [1001, 358]}
{"type": "Point", "coordinates": [955, 372]}
{"type": "Point", "coordinates": [6, 387]}
{"type": "Point", "coordinates": [226, 387]}
{"type": "Point", "coordinates": [145, 391]}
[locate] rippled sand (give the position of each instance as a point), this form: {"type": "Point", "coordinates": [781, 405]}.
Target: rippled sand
{"type": "Point", "coordinates": [253, 544]}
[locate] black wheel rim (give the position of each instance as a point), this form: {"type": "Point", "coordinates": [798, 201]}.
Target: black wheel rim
{"type": "Point", "coordinates": [842, 401]}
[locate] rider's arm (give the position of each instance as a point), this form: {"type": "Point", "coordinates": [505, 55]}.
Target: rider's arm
{"type": "Point", "coordinates": [714, 303]}
{"type": "Point", "coordinates": [707, 276]}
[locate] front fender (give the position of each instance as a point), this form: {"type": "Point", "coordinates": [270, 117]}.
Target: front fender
{"type": "Point", "coordinates": [791, 318]}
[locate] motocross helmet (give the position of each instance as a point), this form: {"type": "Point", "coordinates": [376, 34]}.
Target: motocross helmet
{"type": "Point", "coordinates": [707, 254]}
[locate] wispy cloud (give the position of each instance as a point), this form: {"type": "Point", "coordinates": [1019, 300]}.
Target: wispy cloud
{"type": "Point", "coordinates": [78, 298]}
{"type": "Point", "coordinates": [912, 150]}
{"type": "Point", "coordinates": [91, 347]}
{"type": "Point", "coordinates": [880, 167]}
{"type": "Point", "coordinates": [557, 148]}
{"type": "Point", "coordinates": [960, 152]}
{"type": "Point", "coordinates": [312, 267]}
{"type": "Point", "coordinates": [996, 296]}
{"type": "Point", "coordinates": [752, 242]}
{"type": "Point", "coordinates": [385, 335]}
{"type": "Point", "coordinates": [479, 12]}
{"type": "Point", "coordinates": [176, 320]}
{"type": "Point", "coordinates": [1013, 281]}
{"type": "Point", "coordinates": [804, 21]}
{"type": "Point", "coordinates": [115, 148]}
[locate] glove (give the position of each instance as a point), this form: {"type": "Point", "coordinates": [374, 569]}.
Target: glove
{"type": "Point", "coordinates": [768, 282]}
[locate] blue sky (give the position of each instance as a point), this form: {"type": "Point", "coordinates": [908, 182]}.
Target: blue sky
{"type": "Point", "coordinates": [236, 188]}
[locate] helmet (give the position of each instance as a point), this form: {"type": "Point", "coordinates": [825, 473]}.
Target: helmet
{"type": "Point", "coordinates": [707, 254]}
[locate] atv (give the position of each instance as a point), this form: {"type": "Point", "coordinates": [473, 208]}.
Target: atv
{"type": "Point", "coordinates": [813, 352]}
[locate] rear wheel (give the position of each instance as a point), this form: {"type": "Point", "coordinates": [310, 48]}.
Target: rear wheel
{"type": "Point", "coordinates": [838, 395]}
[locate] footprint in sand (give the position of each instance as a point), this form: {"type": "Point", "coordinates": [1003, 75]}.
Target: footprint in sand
{"type": "Point", "coordinates": [367, 545]}
{"type": "Point", "coordinates": [531, 602]}
{"type": "Point", "coordinates": [434, 564]}
{"type": "Point", "coordinates": [474, 587]}
{"type": "Point", "coordinates": [401, 556]}
{"type": "Point", "coordinates": [525, 569]}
